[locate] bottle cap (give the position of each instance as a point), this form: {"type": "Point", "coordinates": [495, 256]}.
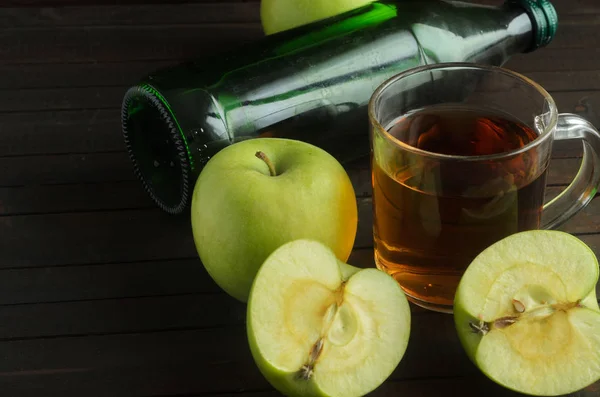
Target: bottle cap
{"type": "Point", "coordinates": [544, 18]}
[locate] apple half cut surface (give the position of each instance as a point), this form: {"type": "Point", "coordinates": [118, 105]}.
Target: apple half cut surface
{"type": "Point", "coordinates": [527, 315]}
{"type": "Point", "coordinates": [320, 327]}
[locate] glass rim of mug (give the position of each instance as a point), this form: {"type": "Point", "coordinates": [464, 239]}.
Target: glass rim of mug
{"type": "Point", "coordinates": [542, 137]}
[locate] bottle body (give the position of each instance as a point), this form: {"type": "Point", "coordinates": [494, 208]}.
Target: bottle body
{"type": "Point", "coordinates": [311, 83]}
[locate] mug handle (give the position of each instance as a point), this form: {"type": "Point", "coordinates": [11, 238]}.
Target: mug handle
{"type": "Point", "coordinates": [585, 185]}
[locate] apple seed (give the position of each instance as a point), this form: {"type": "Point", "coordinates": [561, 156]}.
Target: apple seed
{"type": "Point", "coordinates": [518, 305]}
{"type": "Point", "coordinates": [316, 351]}
{"type": "Point", "coordinates": [504, 322]}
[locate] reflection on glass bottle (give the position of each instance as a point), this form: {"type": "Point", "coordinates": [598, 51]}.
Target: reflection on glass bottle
{"type": "Point", "coordinates": [312, 83]}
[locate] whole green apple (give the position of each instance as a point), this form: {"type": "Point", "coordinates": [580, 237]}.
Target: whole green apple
{"type": "Point", "coordinates": [256, 195]}
{"type": "Point", "coordinates": [279, 15]}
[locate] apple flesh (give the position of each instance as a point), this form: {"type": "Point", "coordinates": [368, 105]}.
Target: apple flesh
{"type": "Point", "coordinates": [527, 315]}
{"type": "Point", "coordinates": [244, 207]}
{"type": "Point", "coordinates": [320, 327]}
{"type": "Point", "coordinates": [280, 15]}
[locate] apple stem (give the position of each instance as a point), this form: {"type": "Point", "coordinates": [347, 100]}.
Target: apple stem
{"type": "Point", "coordinates": [266, 159]}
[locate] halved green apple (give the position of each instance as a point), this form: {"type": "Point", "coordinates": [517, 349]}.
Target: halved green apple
{"type": "Point", "coordinates": [527, 315]}
{"type": "Point", "coordinates": [319, 327]}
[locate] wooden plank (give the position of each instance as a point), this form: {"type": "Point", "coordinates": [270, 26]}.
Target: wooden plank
{"type": "Point", "coordinates": [117, 281]}
{"type": "Point", "coordinates": [108, 168]}
{"type": "Point", "coordinates": [76, 98]}
{"type": "Point", "coordinates": [149, 12]}
{"type": "Point", "coordinates": [124, 74]}
{"type": "Point", "coordinates": [552, 59]}
{"type": "Point", "coordinates": [165, 42]}
{"type": "Point", "coordinates": [123, 43]}
{"type": "Point", "coordinates": [81, 131]}
{"type": "Point", "coordinates": [70, 3]}
{"type": "Point", "coordinates": [563, 7]}
{"type": "Point", "coordinates": [111, 316]}
{"type": "Point", "coordinates": [56, 75]}
{"type": "Point", "coordinates": [186, 276]}
{"type": "Point", "coordinates": [125, 315]}
{"type": "Point", "coordinates": [587, 221]}
{"type": "Point", "coordinates": [168, 13]}
{"type": "Point", "coordinates": [47, 199]}
{"type": "Point", "coordinates": [67, 168]}
{"type": "Point", "coordinates": [138, 235]}
{"type": "Point", "coordinates": [99, 130]}
{"type": "Point", "coordinates": [575, 80]}
{"type": "Point", "coordinates": [174, 363]}
{"type": "Point", "coordinates": [94, 237]}
{"type": "Point", "coordinates": [123, 358]}
{"type": "Point", "coordinates": [117, 380]}
{"type": "Point", "coordinates": [47, 99]}
{"type": "Point", "coordinates": [107, 281]}
{"type": "Point", "coordinates": [125, 365]}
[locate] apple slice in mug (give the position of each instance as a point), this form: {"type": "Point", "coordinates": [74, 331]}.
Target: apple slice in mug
{"type": "Point", "coordinates": [527, 315]}
{"type": "Point", "coordinates": [319, 327]}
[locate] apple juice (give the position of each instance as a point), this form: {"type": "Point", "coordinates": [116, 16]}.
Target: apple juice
{"type": "Point", "coordinates": [431, 218]}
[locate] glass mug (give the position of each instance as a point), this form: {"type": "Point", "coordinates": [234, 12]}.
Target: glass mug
{"type": "Point", "coordinates": [459, 158]}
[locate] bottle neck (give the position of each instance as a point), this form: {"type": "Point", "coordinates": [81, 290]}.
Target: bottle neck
{"type": "Point", "coordinates": [457, 32]}
{"type": "Point", "coordinates": [515, 35]}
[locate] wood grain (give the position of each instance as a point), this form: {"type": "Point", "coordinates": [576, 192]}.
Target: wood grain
{"type": "Point", "coordinates": [73, 283]}
{"type": "Point", "coordinates": [65, 168]}
{"type": "Point", "coordinates": [125, 74]}
{"type": "Point", "coordinates": [67, 131]}
{"type": "Point", "coordinates": [50, 99]}
{"type": "Point", "coordinates": [130, 42]}
{"type": "Point", "coordinates": [109, 97]}
{"type": "Point", "coordinates": [70, 3]}
{"type": "Point", "coordinates": [144, 234]}
{"type": "Point", "coordinates": [106, 281]}
{"type": "Point", "coordinates": [84, 169]}
{"type": "Point", "coordinates": [170, 351]}
{"type": "Point", "coordinates": [144, 13]}
{"type": "Point", "coordinates": [94, 237]}
{"type": "Point", "coordinates": [156, 277]}
{"type": "Point", "coordinates": [101, 293]}
{"type": "Point", "coordinates": [74, 75]}
{"type": "Point", "coordinates": [186, 12]}
{"type": "Point", "coordinates": [41, 132]}
{"type": "Point", "coordinates": [125, 315]}
{"type": "Point", "coordinates": [77, 197]}
{"type": "Point", "coordinates": [169, 363]}
{"type": "Point", "coordinates": [123, 43]}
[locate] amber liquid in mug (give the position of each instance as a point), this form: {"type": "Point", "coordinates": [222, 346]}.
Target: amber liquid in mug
{"type": "Point", "coordinates": [431, 221]}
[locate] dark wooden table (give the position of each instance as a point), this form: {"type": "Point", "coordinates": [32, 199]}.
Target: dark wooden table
{"type": "Point", "coordinates": [101, 293]}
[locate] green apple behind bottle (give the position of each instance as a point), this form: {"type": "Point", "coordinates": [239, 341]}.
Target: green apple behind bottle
{"type": "Point", "coordinates": [310, 83]}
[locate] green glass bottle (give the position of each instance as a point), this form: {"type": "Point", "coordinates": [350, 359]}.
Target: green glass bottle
{"type": "Point", "coordinates": [311, 83]}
